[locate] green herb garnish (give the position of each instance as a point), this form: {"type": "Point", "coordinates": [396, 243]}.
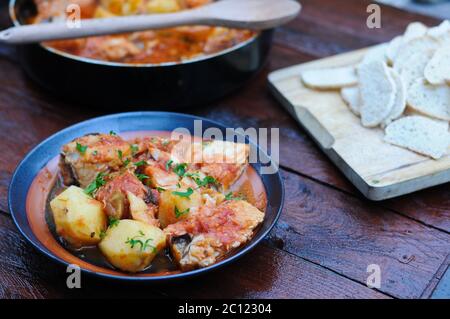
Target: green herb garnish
{"type": "Point", "coordinates": [97, 183]}
{"type": "Point", "coordinates": [186, 194]}
{"type": "Point", "coordinates": [140, 163]}
{"type": "Point", "coordinates": [112, 133]}
{"type": "Point", "coordinates": [180, 169]}
{"type": "Point", "coordinates": [143, 244]}
{"type": "Point", "coordinates": [113, 221]}
{"type": "Point", "coordinates": [230, 196]}
{"type": "Point", "coordinates": [179, 213]}
{"type": "Point", "coordinates": [102, 234]}
{"type": "Point", "coordinates": [169, 165]}
{"type": "Point", "coordinates": [95, 153]}
{"type": "Point", "coordinates": [134, 149]}
{"type": "Point", "coordinates": [205, 181]}
{"type": "Point", "coordinates": [81, 148]}
{"type": "Point", "coordinates": [141, 177]}
{"type": "Point", "coordinates": [160, 189]}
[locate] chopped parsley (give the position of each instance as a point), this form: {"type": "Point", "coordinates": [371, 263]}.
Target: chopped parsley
{"type": "Point", "coordinates": [119, 152]}
{"type": "Point", "coordinates": [230, 196]}
{"type": "Point", "coordinates": [95, 153]}
{"type": "Point", "coordinates": [140, 163]}
{"type": "Point", "coordinates": [141, 177]}
{"type": "Point", "coordinates": [179, 213]}
{"type": "Point", "coordinates": [81, 148]}
{"type": "Point", "coordinates": [160, 189]}
{"type": "Point", "coordinates": [102, 234]}
{"type": "Point", "coordinates": [180, 169]}
{"type": "Point", "coordinates": [205, 181]}
{"type": "Point", "coordinates": [186, 194]}
{"type": "Point", "coordinates": [113, 221]}
{"type": "Point", "coordinates": [169, 164]}
{"type": "Point", "coordinates": [96, 184]}
{"type": "Point", "coordinates": [143, 243]}
{"type": "Point", "coordinates": [134, 149]}
{"type": "Point", "coordinates": [112, 133]}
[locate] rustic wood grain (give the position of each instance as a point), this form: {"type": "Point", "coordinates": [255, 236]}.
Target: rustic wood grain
{"type": "Point", "coordinates": [328, 232]}
{"type": "Point", "coordinates": [284, 276]}
{"type": "Point", "coordinates": [346, 234]}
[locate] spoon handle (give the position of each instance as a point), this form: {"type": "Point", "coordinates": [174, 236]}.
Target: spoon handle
{"type": "Point", "coordinates": [95, 27]}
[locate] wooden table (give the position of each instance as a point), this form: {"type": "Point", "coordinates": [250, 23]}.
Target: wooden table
{"type": "Point", "coordinates": [328, 233]}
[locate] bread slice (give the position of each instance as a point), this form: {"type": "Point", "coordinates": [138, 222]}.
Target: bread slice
{"type": "Point", "coordinates": [430, 100]}
{"type": "Point", "coordinates": [440, 31]}
{"type": "Point", "coordinates": [419, 134]}
{"type": "Point", "coordinates": [377, 53]}
{"type": "Point", "coordinates": [437, 71]}
{"type": "Point", "coordinates": [413, 67]}
{"type": "Point", "coordinates": [377, 93]}
{"type": "Point", "coordinates": [418, 45]}
{"type": "Point", "coordinates": [413, 31]}
{"type": "Point", "coordinates": [333, 78]}
{"type": "Point", "coordinates": [400, 98]}
{"type": "Point", "coordinates": [352, 98]}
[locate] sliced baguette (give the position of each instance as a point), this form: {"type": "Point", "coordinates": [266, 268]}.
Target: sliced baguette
{"type": "Point", "coordinates": [377, 53]}
{"type": "Point", "coordinates": [377, 93]}
{"type": "Point", "coordinates": [400, 98]}
{"type": "Point", "coordinates": [430, 100]}
{"type": "Point", "coordinates": [439, 31]}
{"type": "Point", "coordinates": [419, 134]}
{"type": "Point", "coordinates": [352, 98]}
{"type": "Point", "coordinates": [437, 71]}
{"type": "Point", "coordinates": [333, 78]}
{"type": "Point", "coordinates": [413, 31]}
{"type": "Point", "coordinates": [418, 45]}
{"type": "Point", "coordinates": [414, 67]}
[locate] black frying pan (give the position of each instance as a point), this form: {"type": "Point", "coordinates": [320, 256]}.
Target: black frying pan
{"type": "Point", "coordinates": [119, 85]}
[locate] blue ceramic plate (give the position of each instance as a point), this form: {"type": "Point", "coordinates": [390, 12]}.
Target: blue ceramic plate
{"type": "Point", "coordinates": [38, 161]}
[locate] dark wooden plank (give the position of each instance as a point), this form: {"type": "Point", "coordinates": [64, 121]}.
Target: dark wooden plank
{"type": "Point", "coordinates": [264, 273]}
{"type": "Point", "coordinates": [345, 234]}
{"type": "Point", "coordinates": [442, 291]}
{"type": "Point", "coordinates": [22, 102]}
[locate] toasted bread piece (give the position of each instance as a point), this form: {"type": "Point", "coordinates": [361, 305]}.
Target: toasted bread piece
{"type": "Point", "coordinates": [377, 53]}
{"type": "Point", "coordinates": [352, 98]}
{"type": "Point", "coordinates": [418, 45]}
{"type": "Point", "coordinates": [333, 78]}
{"type": "Point", "coordinates": [439, 31]}
{"type": "Point", "coordinates": [437, 71]}
{"type": "Point", "coordinates": [377, 93]}
{"type": "Point", "coordinates": [420, 134]}
{"type": "Point", "coordinates": [413, 31]}
{"type": "Point", "coordinates": [400, 98]}
{"type": "Point", "coordinates": [430, 100]}
{"type": "Point", "coordinates": [414, 67]}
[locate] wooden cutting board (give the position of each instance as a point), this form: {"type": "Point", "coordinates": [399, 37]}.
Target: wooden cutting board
{"type": "Point", "coordinates": [378, 169]}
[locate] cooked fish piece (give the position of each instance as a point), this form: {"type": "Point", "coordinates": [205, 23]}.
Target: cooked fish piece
{"type": "Point", "coordinates": [85, 157]}
{"type": "Point", "coordinates": [115, 196]}
{"type": "Point", "coordinates": [212, 232]}
{"type": "Point", "coordinates": [223, 160]}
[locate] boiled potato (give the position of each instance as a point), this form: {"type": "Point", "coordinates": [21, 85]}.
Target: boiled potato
{"type": "Point", "coordinates": [79, 219]}
{"type": "Point", "coordinates": [131, 245]}
{"type": "Point", "coordinates": [163, 6]}
{"type": "Point", "coordinates": [174, 207]}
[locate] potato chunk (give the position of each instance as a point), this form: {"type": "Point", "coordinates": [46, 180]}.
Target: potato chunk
{"type": "Point", "coordinates": [79, 219]}
{"type": "Point", "coordinates": [131, 245]}
{"type": "Point", "coordinates": [175, 205]}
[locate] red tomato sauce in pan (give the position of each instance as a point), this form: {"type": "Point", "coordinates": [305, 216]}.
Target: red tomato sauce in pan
{"type": "Point", "coordinates": [146, 47]}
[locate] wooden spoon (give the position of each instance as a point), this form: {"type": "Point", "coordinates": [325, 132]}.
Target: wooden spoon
{"type": "Point", "coordinates": [245, 14]}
